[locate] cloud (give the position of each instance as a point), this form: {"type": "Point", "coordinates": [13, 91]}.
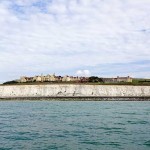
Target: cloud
{"type": "Point", "coordinates": [66, 35]}
{"type": "Point", "coordinates": [84, 73]}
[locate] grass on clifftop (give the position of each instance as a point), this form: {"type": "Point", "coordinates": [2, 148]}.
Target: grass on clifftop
{"type": "Point", "coordinates": [138, 82]}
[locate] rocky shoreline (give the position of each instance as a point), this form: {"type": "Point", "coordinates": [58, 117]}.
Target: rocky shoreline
{"type": "Point", "coordinates": [79, 98]}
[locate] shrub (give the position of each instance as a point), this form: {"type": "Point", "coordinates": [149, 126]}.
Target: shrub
{"type": "Point", "coordinates": [10, 82]}
{"type": "Point", "coordinates": [95, 79]}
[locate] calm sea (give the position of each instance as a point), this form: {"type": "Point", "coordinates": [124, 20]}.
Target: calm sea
{"type": "Point", "coordinates": [74, 125]}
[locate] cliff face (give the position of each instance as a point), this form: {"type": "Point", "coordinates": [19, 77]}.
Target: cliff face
{"type": "Point", "coordinates": [61, 90]}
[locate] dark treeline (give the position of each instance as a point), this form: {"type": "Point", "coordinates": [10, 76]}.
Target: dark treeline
{"type": "Point", "coordinates": [95, 79]}
{"type": "Point", "coordinates": [10, 82]}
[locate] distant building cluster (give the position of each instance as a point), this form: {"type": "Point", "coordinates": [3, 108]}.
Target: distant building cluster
{"type": "Point", "coordinates": [54, 78]}
{"type": "Point", "coordinates": [117, 80]}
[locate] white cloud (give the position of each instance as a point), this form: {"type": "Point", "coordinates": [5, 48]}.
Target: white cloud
{"type": "Point", "coordinates": [84, 73]}
{"type": "Point", "coordinates": [71, 34]}
{"type": "Point", "coordinates": [79, 72]}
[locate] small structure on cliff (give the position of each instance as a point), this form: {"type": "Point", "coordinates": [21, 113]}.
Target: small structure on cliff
{"type": "Point", "coordinates": [24, 79]}
{"type": "Point", "coordinates": [127, 79]}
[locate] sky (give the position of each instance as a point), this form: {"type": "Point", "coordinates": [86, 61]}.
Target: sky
{"type": "Point", "coordinates": [70, 37]}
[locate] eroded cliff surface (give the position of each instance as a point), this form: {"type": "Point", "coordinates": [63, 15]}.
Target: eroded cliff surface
{"type": "Point", "coordinates": [68, 90]}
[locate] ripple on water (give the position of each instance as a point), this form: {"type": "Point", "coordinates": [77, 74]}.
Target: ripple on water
{"type": "Point", "coordinates": [147, 143]}
{"type": "Point", "coordinates": [5, 148]}
{"type": "Point", "coordinates": [16, 138]}
{"type": "Point", "coordinates": [137, 122]}
{"type": "Point", "coordinates": [92, 142]}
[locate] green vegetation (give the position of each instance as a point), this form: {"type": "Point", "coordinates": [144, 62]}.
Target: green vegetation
{"type": "Point", "coordinates": [136, 81]}
{"type": "Point", "coordinates": [95, 79]}
{"type": "Point", "coordinates": [11, 82]}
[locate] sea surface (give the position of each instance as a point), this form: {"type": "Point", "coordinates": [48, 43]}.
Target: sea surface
{"type": "Point", "coordinates": [74, 125]}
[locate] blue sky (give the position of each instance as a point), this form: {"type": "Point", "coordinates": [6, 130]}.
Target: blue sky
{"type": "Point", "coordinates": [103, 37]}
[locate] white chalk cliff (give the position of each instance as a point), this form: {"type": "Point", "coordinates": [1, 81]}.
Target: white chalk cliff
{"type": "Point", "coordinates": [70, 90]}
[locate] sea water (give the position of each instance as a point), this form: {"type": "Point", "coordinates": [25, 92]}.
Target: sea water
{"type": "Point", "coordinates": [74, 125]}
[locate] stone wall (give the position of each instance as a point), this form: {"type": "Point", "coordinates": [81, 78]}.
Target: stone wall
{"type": "Point", "coordinates": [70, 90]}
